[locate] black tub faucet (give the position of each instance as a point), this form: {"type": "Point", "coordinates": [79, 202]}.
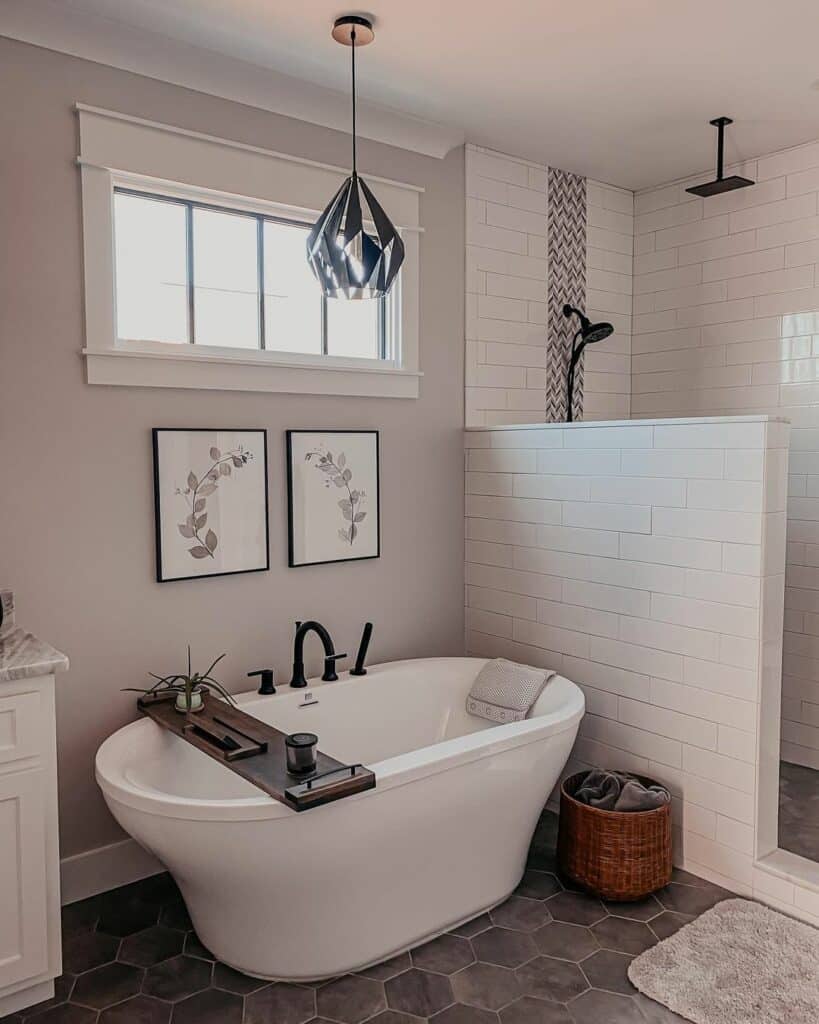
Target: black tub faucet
{"type": "Point", "coordinates": [330, 657]}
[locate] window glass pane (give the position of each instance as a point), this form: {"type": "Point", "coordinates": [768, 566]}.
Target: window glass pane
{"type": "Point", "coordinates": [292, 299]}
{"type": "Point", "coordinates": [225, 276]}
{"type": "Point", "coordinates": [352, 327]}
{"type": "Point", "coordinates": [150, 268]}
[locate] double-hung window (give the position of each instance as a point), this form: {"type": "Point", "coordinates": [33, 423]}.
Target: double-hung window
{"type": "Point", "coordinates": [196, 271]}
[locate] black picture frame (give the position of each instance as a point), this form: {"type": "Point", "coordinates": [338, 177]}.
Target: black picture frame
{"type": "Point", "coordinates": [158, 511]}
{"type": "Point", "coordinates": [289, 435]}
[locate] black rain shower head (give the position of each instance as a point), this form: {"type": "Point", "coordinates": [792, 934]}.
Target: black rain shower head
{"type": "Point", "coordinates": [720, 184]}
{"type": "Point", "coordinates": [589, 332]}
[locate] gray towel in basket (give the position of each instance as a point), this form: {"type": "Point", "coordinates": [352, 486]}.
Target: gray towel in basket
{"type": "Point", "coordinates": [505, 691]}
{"type": "Point", "coordinates": [619, 791]}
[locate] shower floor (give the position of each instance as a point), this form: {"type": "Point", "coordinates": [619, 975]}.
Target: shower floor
{"type": "Point", "coordinates": [799, 810]}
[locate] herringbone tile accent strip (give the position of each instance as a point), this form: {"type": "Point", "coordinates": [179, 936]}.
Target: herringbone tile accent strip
{"type": "Point", "coordinates": [567, 283]}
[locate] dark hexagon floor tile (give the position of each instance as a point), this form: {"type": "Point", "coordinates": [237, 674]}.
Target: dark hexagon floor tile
{"type": "Point", "coordinates": [444, 955]}
{"type": "Point", "coordinates": [137, 1010]}
{"type": "Point", "coordinates": [504, 947]}
{"type": "Point", "coordinates": [388, 968]}
{"type": "Point", "coordinates": [419, 993]}
{"type": "Point", "coordinates": [565, 941]}
{"type": "Point", "coordinates": [80, 916]}
{"type": "Point", "coordinates": [231, 980]}
{"type": "Point", "coordinates": [609, 970]}
{"type": "Point", "coordinates": [637, 910]}
{"type": "Point", "coordinates": [123, 914]}
{"type": "Point", "coordinates": [458, 1013]}
{"type": "Point", "coordinates": [576, 908]}
{"type": "Point", "coordinates": [213, 1006]}
{"type": "Point", "coordinates": [538, 885]}
{"type": "Point", "coordinates": [543, 848]}
{"type": "Point", "coordinates": [521, 914]}
{"type": "Point", "coordinates": [655, 1013]}
{"type": "Point", "coordinates": [83, 951]}
{"type": "Point", "coordinates": [690, 899]}
{"type": "Point", "coordinates": [66, 1013]}
{"type": "Point", "coordinates": [474, 927]}
{"type": "Point", "coordinates": [668, 923]}
{"type": "Point", "coordinates": [535, 1011]}
{"type": "Point", "coordinates": [352, 999]}
{"type": "Point", "coordinates": [605, 1008]}
{"type": "Point", "coordinates": [547, 978]}
{"type": "Point", "coordinates": [686, 878]}
{"type": "Point", "coordinates": [156, 889]}
{"type": "Point", "coordinates": [485, 985]}
{"type": "Point", "coordinates": [175, 915]}
{"type": "Point", "coordinates": [107, 985]}
{"type": "Point", "coordinates": [151, 946]}
{"type": "Point", "coordinates": [623, 935]}
{"type": "Point", "coordinates": [177, 978]}
{"type": "Point", "coordinates": [281, 1003]}
{"type": "Point", "coordinates": [193, 947]}
{"type": "Point", "coordinates": [387, 1017]}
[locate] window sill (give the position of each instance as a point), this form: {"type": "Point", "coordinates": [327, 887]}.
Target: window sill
{"type": "Point", "coordinates": [247, 371]}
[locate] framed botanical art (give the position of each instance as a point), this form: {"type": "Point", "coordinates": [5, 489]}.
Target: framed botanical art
{"type": "Point", "coordinates": [210, 499]}
{"type": "Point", "coordinates": [333, 496]}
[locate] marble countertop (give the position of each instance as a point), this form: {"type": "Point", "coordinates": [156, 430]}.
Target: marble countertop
{"type": "Point", "coordinates": [23, 655]}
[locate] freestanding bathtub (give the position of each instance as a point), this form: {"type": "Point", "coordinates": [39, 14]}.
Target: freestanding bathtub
{"type": "Point", "coordinates": [302, 896]}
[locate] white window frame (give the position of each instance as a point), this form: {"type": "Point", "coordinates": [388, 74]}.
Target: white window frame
{"type": "Point", "coordinates": [120, 151]}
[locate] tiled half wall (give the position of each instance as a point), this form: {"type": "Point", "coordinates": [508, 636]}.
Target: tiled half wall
{"type": "Point", "coordinates": [507, 275]}
{"type": "Point", "coordinates": [645, 561]}
{"type": "Point", "coordinates": [726, 319]}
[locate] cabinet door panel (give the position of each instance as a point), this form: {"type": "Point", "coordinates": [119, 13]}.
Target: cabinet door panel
{"type": "Point", "coordinates": [23, 931]}
{"type": "Point", "coordinates": [21, 724]}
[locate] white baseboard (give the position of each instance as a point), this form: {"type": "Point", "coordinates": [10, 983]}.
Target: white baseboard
{"type": "Point", "coordinates": [107, 867]}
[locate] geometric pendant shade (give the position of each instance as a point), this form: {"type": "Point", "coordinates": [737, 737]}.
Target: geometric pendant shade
{"type": "Point", "coordinates": [348, 260]}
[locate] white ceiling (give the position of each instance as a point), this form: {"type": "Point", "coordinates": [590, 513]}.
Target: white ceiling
{"type": "Point", "coordinates": [619, 91]}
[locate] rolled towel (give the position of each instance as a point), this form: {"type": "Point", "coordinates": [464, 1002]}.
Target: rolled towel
{"type": "Point", "coordinates": [619, 791]}
{"type": "Point", "coordinates": [505, 691]}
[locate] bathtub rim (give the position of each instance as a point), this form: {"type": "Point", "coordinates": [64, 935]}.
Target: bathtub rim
{"type": "Point", "coordinates": [115, 754]}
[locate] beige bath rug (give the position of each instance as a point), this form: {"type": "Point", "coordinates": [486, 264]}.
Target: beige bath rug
{"type": "Point", "coordinates": [739, 963]}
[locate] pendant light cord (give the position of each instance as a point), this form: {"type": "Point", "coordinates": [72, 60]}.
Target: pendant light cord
{"type": "Point", "coordinates": [352, 39]}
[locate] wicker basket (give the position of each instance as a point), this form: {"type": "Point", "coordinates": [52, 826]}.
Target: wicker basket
{"type": "Point", "coordinates": [619, 855]}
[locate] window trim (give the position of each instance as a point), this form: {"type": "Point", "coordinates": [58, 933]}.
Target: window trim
{"type": "Point", "coordinates": [159, 364]}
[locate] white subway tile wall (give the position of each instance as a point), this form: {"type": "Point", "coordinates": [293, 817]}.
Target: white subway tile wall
{"type": "Point", "coordinates": [506, 282]}
{"type": "Point", "coordinates": [643, 561]}
{"type": "Point", "coordinates": [726, 319]}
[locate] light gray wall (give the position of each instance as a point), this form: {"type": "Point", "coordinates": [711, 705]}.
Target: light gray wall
{"type": "Point", "coordinates": [76, 506]}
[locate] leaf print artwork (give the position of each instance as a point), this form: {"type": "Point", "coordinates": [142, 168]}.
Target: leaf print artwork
{"type": "Point", "coordinates": [338, 474]}
{"type": "Point", "coordinates": [196, 493]}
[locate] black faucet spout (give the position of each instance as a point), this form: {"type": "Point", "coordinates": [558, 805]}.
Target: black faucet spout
{"type": "Point", "coordinates": [330, 656]}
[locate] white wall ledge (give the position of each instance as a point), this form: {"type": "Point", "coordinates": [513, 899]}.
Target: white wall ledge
{"type": "Point", "coordinates": [660, 422]}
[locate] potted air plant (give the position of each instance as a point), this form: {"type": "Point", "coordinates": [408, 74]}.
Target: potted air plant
{"type": "Point", "coordinates": [189, 688]}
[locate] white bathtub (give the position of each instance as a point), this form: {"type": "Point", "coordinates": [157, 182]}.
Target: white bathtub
{"type": "Point", "coordinates": [301, 896]}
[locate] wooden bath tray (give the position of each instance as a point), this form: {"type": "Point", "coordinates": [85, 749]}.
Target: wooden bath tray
{"type": "Point", "coordinates": [256, 751]}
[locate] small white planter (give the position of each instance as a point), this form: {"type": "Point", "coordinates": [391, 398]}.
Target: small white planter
{"type": "Point", "coordinates": [197, 701]}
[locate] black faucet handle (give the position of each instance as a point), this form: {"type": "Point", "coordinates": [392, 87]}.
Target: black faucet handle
{"type": "Point", "coordinates": [268, 680]}
{"type": "Point", "coordinates": [329, 675]}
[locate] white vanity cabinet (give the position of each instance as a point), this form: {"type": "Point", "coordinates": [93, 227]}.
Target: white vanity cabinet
{"type": "Point", "coordinates": [30, 954]}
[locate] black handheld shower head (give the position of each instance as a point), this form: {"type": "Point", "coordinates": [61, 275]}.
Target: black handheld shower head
{"type": "Point", "coordinates": [588, 334]}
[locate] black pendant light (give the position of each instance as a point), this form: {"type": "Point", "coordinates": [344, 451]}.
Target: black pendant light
{"type": "Point", "coordinates": [720, 184]}
{"type": "Point", "coordinates": [350, 260]}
